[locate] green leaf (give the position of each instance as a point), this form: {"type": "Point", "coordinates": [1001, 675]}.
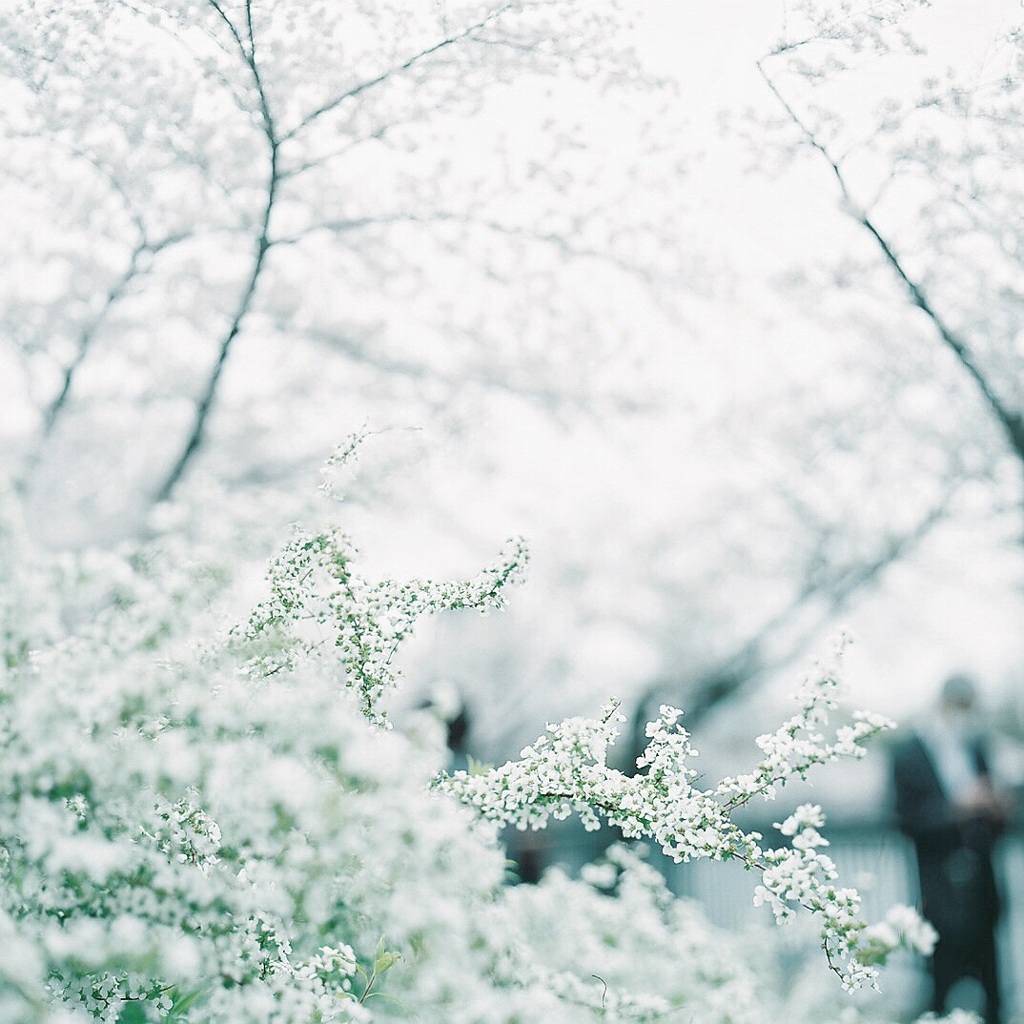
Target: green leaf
{"type": "Point", "coordinates": [384, 959]}
{"type": "Point", "coordinates": [183, 1003]}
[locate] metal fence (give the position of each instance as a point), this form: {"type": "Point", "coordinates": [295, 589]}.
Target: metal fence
{"type": "Point", "coordinates": [875, 858]}
{"type": "Point", "coordinates": [880, 862]}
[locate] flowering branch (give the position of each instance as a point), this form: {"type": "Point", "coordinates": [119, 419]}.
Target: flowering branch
{"type": "Point", "coordinates": [318, 599]}
{"type": "Point", "coordinates": [314, 583]}
{"type": "Point", "coordinates": [566, 771]}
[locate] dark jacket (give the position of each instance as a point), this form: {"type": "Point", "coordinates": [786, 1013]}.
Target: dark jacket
{"type": "Point", "coordinates": [954, 854]}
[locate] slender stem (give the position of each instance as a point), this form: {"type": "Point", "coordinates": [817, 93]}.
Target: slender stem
{"type": "Point", "coordinates": [407, 65]}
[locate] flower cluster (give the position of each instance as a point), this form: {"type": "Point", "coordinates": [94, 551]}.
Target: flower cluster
{"type": "Point", "coordinates": [199, 827]}
{"type": "Point", "coordinates": [319, 599]}
{"type": "Point", "coordinates": [902, 925]}
{"type": "Point", "coordinates": [186, 839]}
{"type": "Point", "coordinates": [566, 770]}
{"type": "Point", "coordinates": [624, 909]}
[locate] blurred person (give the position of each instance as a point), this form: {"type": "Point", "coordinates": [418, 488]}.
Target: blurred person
{"type": "Point", "coordinates": [442, 717]}
{"type": "Point", "coordinates": [947, 804]}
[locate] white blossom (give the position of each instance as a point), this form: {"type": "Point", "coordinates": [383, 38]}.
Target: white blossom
{"type": "Point", "coordinates": [211, 826]}
{"type": "Point", "coordinates": [566, 770]}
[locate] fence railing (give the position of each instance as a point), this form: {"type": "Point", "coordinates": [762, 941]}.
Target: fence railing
{"type": "Point", "coordinates": [872, 856]}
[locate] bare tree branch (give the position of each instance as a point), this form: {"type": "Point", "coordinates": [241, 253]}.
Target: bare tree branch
{"type": "Point", "coordinates": [741, 670]}
{"type": "Point", "coordinates": [562, 243]}
{"type": "Point", "coordinates": [407, 65]}
{"type": "Point", "coordinates": [59, 404]}
{"type": "Point", "coordinates": [1011, 422]}
{"type": "Point", "coordinates": [205, 402]}
{"type": "Point", "coordinates": [545, 397]}
{"type": "Point", "coordinates": [247, 49]}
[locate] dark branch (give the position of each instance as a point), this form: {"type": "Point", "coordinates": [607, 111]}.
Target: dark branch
{"type": "Point", "coordinates": [1011, 422]}
{"type": "Point", "coordinates": [562, 243]}
{"type": "Point", "coordinates": [407, 65]}
{"type": "Point", "coordinates": [230, 26]}
{"type": "Point", "coordinates": [206, 401]}
{"type": "Point", "coordinates": [751, 661]}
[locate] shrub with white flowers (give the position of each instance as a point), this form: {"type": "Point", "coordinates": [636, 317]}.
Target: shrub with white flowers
{"type": "Point", "coordinates": [206, 828]}
{"type": "Point", "coordinates": [215, 824]}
